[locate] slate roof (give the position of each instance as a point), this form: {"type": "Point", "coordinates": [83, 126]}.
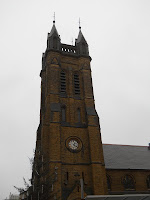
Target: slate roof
{"type": "Point", "coordinates": [53, 30]}
{"type": "Point", "coordinates": [119, 197]}
{"type": "Point", "coordinates": [126, 157]}
{"type": "Point", "coordinates": [80, 37]}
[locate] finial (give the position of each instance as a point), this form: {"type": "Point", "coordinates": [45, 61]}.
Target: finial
{"type": "Point", "coordinates": [54, 18]}
{"type": "Point", "coordinates": [79, 24]}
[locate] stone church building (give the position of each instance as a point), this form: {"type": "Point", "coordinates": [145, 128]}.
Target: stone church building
{"type": "Point", "coordinates": [70, 160]}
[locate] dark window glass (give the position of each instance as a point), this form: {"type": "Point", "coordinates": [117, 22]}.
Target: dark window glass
{"type": "Point", "coordinates": [108, 182]}
{"type": "Point", "coordinates": [128, 182]}
{"type": "Point", "coordinates": [76, 84]}
{"type": "Point", "coordinates": [83, 176]}
{"type": "Point", "coordinates": [148, 182]}
{"type": "Point", "coordinates": [63, 82]}
{"type": "Point", "coordinates": [67, 176]}
{"type": "Point", "coordinates": [63, 114]}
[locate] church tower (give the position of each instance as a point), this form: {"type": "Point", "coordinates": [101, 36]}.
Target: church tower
{"type": "Point", "coordinates": [68, 146]}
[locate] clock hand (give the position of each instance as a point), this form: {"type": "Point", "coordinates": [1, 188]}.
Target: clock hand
{"type": "Point", "coordinates": [76, 144]}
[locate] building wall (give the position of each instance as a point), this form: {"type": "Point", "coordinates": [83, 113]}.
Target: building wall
{"type": "Point", "coordinates": [139, 177]}
{"type": "Point", "coordinates": [88, 162]}
{"type": "Point", "coordinates": [58, 168]}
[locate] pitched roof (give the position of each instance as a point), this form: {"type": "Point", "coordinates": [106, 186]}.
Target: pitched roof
{"type": "Point", "coordinates": [126, 157]}
{"type": "Point", "coordinates": [119, 197]}
{"type": "Point", "coordinates": [80, 37]}
{"type": "Point", "coordinates": [53, 30]}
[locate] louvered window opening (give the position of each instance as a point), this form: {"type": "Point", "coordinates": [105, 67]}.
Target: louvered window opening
{"type": "Point", "coordinates": [76, 84]}
{"type": "Point", "coordinates": [62, 82]}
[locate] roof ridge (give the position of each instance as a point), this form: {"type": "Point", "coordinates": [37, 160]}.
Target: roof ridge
{"type": "Point", "coordinates": [126, 145]}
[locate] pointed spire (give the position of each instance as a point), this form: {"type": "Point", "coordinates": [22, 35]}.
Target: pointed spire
{"type": "Point", "coordinates": [54, 18]}
{"type": "Point", "coordinates": [80, 36]}
{"type": "Point", "coordinates": [79, 24]}
{"type": "Point", "coordinates": [81, 43]}
{"type": "Point", "coordinates": [53, 39]}
{"type": "Point", "coordinates": [53, 30]}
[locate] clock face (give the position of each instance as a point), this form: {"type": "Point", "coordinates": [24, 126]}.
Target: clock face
{"type": "Point", "coordinates": [73, 144]}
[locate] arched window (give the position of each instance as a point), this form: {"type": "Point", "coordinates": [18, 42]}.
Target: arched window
{"type": "Point", "coordinates": [79, 115]}
{"type": "Point", "coordinates": [148, 181]}
{"type": "Point", "coordinates": [76, 84]}
{"type": "Point", "coordinates": [66, 178]}
{"type": "Point", "coordinates": [55, 43]}
{"type": "Point", "coordinates": [63, 114]}
{"type": "Point", "coordinates": [128, 182]}
{"type": "Point", "coordinates": [62, 82]}
{"type": "Point", "coordinates": [108, 182]}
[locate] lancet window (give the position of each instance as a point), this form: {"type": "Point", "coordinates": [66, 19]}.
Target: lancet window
{"type": "Point", "coordinates": [63, 114]}
{"type": "Point", "coordinates": [148, 181]}
{"type": "Point", "coordinates": [63, 82]}
{"type": "Point", "coordinates": [108, 182]}
{"type": "Point", "coordinates": [76, 84]}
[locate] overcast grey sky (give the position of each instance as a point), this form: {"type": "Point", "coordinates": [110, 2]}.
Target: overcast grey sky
{"type": "Point", "coordinates": [118, 34]}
